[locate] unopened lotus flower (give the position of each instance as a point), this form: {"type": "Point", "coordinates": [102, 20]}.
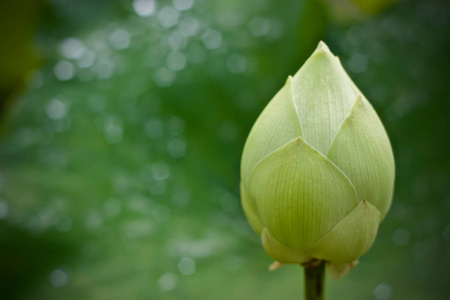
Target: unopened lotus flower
{"type": "Point", "coordinates": [317, 172]}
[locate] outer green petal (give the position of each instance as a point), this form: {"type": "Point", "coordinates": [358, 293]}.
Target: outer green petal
{"type": "Point", "coordinates": [277, 125]}
{"type": "Point", "coordinates": [361, 149]}
{"type": "Point", "coordinates": [337, 271]}
{"type": "Point", "coordinates": [251, 211]}
{"type": "Point", "coordinates": [351, 238]}
{"type": "Point", "coordinates": [300, 194]}
{"type": "Point", "coordinates": [323, 94]}
{"type": "Point", "coordinates": [280, 252]}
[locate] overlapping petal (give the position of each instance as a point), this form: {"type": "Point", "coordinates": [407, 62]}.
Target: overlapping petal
{"type": "Point", "coordinates": [361, 149]}
{"type": "Point", "coordinates": [277, 125]}
{"type": "Point", "coordinates": [323, 94]}
{"type": "Point", "coordinates": [300, 194]}
{"type": "Point", "coordinates": [351, 237]}
{"type": "Point", "coordinates": [251, 211]}
{"type": "Point", "coordinates": [280, 252]}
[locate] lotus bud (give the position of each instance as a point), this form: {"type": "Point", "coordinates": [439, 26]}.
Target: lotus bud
{"type": "Point", "coordinates": [317, 171]}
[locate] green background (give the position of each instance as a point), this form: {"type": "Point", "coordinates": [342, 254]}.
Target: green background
{"type": "Point", "coordinates": [119, 160]}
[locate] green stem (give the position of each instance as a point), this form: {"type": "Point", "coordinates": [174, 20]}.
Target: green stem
{"type": "Point", "coordinates": [314, 282]}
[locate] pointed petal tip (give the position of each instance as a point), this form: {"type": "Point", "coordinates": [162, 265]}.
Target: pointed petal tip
{"type": "Point", "coordinates": [322, 46]}
{"type": "Point", "coordinates": [289, 80]}
{"type": "Point", "coordinates": [359, 100]}
{"type": "Point", "coordinates": [298, 142]}
{"type": "Point", "coordinates": [275, 265]}
{"type": "Point", "coordinates": [323, 51]}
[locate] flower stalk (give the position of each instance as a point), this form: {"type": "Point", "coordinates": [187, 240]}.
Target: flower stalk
{"type": "Point", "coordinates": [314, 282]}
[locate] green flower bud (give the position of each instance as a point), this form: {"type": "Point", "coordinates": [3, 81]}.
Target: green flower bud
{"type": "Point", "coordinates": [317, 172]}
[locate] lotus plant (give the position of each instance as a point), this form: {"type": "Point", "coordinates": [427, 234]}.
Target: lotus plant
{"type": "Point", "coordinates": [317, 172]}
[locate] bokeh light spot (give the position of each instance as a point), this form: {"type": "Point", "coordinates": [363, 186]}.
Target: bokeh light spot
{"type": "Point", "coordinates": [382, 291]}
{"type": "Point", "coordinates": [58, 278]}
{"type": "Point", "coordinates": [168, 17]}
{"type": "Point", "coordinates": [144, 8]}
{"type": "Point", "coordinates": [212, 39]}
{"type": "Point", "coordinates": [168, 281]}
{"type": "Point", "coordinates": [186, 266]}
{"type": "Point", "coordinates": [64, 70]}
